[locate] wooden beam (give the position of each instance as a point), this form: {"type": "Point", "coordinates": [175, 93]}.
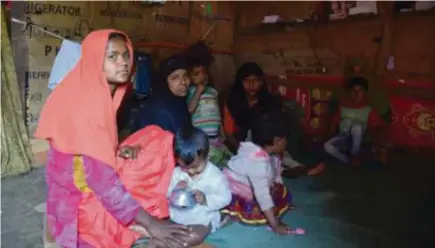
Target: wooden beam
{"type": "Point", "coordinates": [164, 44]}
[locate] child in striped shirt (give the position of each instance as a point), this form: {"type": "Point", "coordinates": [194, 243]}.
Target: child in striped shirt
{"type": "Point", "coordinates": [203, 104]}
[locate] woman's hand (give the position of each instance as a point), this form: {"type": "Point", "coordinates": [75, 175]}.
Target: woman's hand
{"type": "Point", "coordinates": [172, 235]}
{"type": "Point", "coordinates": [128, 152]}
{"type": "Point", "coordinates": [140, 230]}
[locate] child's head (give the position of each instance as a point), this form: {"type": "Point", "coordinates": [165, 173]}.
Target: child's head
{"type": "Point", "coordinates": [198, 72]}
{"type": "Point", "coordinates": [357, 87]}
{"type": "Point", "coordinates": [191, 148]}
{"type": "Point", "coordinates": [269, 130]}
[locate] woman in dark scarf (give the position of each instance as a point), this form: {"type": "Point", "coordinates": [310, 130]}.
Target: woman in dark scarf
{"type": "Point", "coordinates": [248, 95]}
{"type": "Point", "coordinates": [167, 107]}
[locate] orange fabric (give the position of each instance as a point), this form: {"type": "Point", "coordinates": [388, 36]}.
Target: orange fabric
{"type": "Point", "coordinates": [146, 178]}
{"type": "Point", "coordinates": [79, 116]}
{"type": "Point", "coordinates": [229, 124]}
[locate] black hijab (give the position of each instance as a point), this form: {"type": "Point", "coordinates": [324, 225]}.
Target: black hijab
{"type": "Point", "coordinates": [164, 108]}
{"type": "Point", "coordinates": [238, 102]}
{"type": "Point", "coordinates": [167, 66]}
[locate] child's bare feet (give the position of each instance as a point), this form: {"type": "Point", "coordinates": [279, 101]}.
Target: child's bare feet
{"type": "Point", "coordinates": [317, 170]}
{"type": "Point", "coordinates": [50, 245]}
{"type": "Point", "coordinates": [226, 220]}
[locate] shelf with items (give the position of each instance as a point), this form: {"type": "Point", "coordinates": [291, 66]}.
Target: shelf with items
{"type": "Point", "coordinates": [292, 26]}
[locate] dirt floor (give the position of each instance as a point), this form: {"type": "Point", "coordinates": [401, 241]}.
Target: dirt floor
{"type": "Point", "coordinates": [395, 202]}
{"type": "Point", "coordinates": [21, 225]}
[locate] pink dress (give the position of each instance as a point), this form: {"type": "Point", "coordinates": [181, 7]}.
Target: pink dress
{"type": "Point", "coordinates": [65, 175]}
{"type": "Point", "coordinates": [90, 204]}
{"type": "Point", "coordinates": [256, 185]}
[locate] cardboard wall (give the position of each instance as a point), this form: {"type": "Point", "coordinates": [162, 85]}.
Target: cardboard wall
{"type": "Point", "coordinates": [252, 13]}
{"type": "Point", "coordinates": [176, 21]}
{"type": "Point", "coordinates": [66, 19]}
{"type": "Point", "coordinates": [292, 49]}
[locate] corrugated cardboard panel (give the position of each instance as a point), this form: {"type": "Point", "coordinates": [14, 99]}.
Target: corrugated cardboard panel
{"type": "Point", "coordinates": [169, 22]}
{"type": "Point", "coordinates": [65, 18]}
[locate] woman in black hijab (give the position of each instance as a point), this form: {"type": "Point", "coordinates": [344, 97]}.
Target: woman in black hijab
{"type": "Point", "coordinates": [248, 97]}
{"type": "Point", "coordinates": [167, 106]}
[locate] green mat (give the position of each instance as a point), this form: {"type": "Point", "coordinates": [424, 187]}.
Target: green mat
{"type": "Point", "coordinates": [322, 229]}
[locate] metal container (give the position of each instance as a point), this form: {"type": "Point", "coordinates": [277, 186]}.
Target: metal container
{"type": "Point", "coordinates": [182, 199]}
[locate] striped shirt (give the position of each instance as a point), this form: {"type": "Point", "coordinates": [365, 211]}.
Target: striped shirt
{"type": "Point", "coordinates": [207, 114]}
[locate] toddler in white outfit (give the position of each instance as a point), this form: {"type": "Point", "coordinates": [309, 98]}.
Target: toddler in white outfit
{"type": "Point", "coordinates": [210, 186]}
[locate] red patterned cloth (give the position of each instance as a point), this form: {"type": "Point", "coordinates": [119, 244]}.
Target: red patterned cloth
{"type": "Point", "coordinates": [248, 211]}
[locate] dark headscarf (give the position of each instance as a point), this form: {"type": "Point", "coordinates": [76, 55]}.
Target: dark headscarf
{"type": "Point", "coordinates": [166, 67]}
{"type": "Point", "coordinates": [238, 101]}
{"type": "Point", "coordinates": [165, 109]}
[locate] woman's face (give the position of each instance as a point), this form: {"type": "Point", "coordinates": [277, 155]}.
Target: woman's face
{"type": "Point", "coordinates": [179, 82]}
{"type": "Point", "coordinates": [117, 63]}
{"type": "Point", "coordinates": [252, 85]}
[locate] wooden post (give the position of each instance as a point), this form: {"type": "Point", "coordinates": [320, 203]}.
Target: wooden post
{"type": "Point", "coordinates": [385, 10]}
{"type": "Point", "coordinates": [386, 49]}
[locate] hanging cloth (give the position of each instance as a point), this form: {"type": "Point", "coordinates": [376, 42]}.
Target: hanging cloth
{"type": "Point", "coordinates": [142, 79]}
{"type": "Point", "coordinates": [67, 57]}
{"type": "Point", "coordinates": [16, 153]}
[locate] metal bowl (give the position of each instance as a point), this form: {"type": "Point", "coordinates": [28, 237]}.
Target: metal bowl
{"type": "Point", "coordinates": [182, 199]}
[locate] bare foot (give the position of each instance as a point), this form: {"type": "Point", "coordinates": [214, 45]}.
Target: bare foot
{"type": "Point", "coordinates": [226, 220]}
{"type": "Point", "coordinates": [40, 208]}
{"type": "Point", "coordinates": [50, 245]}
{"type": "Point", "coordinates": [317, 170]}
